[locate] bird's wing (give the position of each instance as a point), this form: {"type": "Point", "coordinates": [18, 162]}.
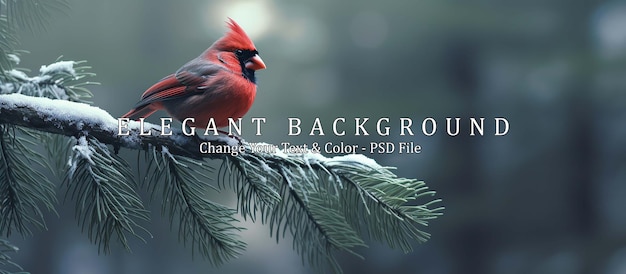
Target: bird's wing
{"type": "Point", "coordinates": [188, 80]}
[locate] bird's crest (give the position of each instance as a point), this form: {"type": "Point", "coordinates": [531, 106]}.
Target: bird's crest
{"type": "Point", "coordinates": [235, 38]}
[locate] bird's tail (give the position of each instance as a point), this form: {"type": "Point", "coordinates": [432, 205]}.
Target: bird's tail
{"type": "Point", "coordinates": [141, 111]}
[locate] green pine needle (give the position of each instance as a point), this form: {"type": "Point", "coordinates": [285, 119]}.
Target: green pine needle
{"type": "Point", "coordinates": [58, 150]}
{"type": "Point", "coordinates": [67, 81]}
{"type": "Point", "coordinates": [5, 259]}
{"type": "Point", "coordinates": [327, 204]}
{"type": "Point", "coordinates": [102, 185]}
{"type": "Point", "coordinates": [24, 191]}
{"type": "Point", "coordinates": [33, 14]}
{"type": "Point", "coordinates": [8, 42]}
{"type": "Point", "coordinates": [23, 14]}
{"type": "Point", "coordinates": [207, 226]}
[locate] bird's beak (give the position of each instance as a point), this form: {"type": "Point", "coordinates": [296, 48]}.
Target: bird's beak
{"type": "Point", "coordinates": [255, 63]}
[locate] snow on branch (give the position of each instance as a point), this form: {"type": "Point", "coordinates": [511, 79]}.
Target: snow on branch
{"type": "Point", "coordinates": [78, 119]}
{"type": "Point", "coordinates": [326, 204]}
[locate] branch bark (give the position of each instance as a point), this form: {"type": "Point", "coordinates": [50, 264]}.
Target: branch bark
{"type": "Point", "coordinates": [78, 119]}
{"type": "Point", "coordinates": [369, 205]}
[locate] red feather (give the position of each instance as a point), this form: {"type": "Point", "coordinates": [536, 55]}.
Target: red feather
{"type": "Point", "coordinates": [213, 85]}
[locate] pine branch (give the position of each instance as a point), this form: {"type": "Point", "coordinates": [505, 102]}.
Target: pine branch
{"type": "Point", "coordinates": [74, 119]}
{"type": "Point", "coordinates": [102, 185]}
{"type": "Point", "coordinates": [324, 203]}
{"type": "Point", "coordinates": [23, 190]}
{"type": "Point", "coordinates": [33, 14]}
{"type": "Point", "coordinates": [8, 42]}
{"type": "Point", "coordinates": [22, 14]}
{"type": "Point", "coordinates": [5, 259]}
{"type": "Point", "coordinates": [59, 80]}
{"type": "Point", "coordinates": [206, 225]}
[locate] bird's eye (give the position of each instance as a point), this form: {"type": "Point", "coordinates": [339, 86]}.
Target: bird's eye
{"type": "Point", "coordinates": [239, 52]}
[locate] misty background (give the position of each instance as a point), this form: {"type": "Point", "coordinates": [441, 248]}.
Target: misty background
{"type": "Point", "coordinates": [549, 197]}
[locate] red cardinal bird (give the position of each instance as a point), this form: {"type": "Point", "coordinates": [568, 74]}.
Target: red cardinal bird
{"type": "Point", "coordinates": [218, 84]}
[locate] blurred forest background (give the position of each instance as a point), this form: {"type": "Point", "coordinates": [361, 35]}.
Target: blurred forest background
{"type": "Point", "coordinates": [549, 197]}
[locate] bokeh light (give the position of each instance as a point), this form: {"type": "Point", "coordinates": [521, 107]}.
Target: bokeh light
{"type": "Point", "coordinates": [253, 16]}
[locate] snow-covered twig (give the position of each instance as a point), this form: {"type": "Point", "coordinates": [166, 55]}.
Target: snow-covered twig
{"type": "Point", "coordinates": [326, 203]}
{"type": "Point", "coordinates": [78, 119]}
